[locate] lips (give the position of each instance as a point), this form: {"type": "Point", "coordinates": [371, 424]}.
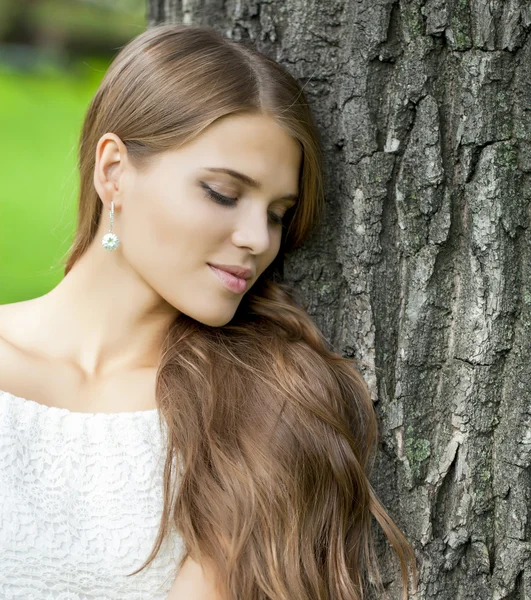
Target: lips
{"type": "Point", "coordinates": [231, 282]}
{"type": "Point", "coordinates": [237, 271]}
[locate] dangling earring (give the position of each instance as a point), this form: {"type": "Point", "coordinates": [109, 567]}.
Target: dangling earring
{"type": "Point", "coordinates": [110, 240]}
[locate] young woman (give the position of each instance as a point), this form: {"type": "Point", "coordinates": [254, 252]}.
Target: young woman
{"type": "Point", "coordinates": [172, 422]}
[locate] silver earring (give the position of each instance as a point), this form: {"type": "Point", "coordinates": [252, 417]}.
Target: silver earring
{"type": "Point", "coordinates": [110, 240]}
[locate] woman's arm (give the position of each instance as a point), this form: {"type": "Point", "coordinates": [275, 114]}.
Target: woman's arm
{"type": "Point", "coordinates": [194, 582]}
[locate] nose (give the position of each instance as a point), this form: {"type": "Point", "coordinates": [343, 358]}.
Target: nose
{"type": "Point", "coordinates": [253, 230]}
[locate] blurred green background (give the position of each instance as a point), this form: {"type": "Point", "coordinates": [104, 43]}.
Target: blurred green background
{"type": "Point", "coordinates": [53, 55]}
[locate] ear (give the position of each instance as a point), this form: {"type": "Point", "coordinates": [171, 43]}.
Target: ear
{"type": "Point", "coordinates": [111, 155]}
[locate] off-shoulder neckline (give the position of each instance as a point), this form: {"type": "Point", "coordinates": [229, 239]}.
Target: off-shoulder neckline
{"type": "Point", "coordinates": [56, 410]}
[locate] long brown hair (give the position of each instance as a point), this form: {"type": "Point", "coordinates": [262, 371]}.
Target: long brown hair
{"type": "Point", "coordinates": [273, 432]}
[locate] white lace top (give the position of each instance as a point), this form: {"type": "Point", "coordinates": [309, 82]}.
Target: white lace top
{"type": "Point", "coordinates": [80, 504]}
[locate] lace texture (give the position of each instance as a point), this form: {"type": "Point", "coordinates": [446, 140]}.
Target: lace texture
{"type": "Point", "coordinates": [80, 504]}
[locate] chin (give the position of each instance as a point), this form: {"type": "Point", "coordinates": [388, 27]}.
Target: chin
{"type": "Point", "coordinates": [220, 322]}
{"type": "Point", "coordinates": [217, 318]}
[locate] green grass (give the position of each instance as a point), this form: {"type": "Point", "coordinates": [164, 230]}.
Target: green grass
{"type": "Point", "coordinates": [40, 122]}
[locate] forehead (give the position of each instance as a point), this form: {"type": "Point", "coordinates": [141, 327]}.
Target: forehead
{"type": "Point", "coordinates": [254, 144]}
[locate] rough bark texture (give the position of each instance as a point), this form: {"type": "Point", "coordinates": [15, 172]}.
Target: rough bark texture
{"type": "Point", "coordinates": [422, 267]}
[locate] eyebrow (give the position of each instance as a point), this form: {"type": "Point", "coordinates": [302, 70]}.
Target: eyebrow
{"type": "Point", "coordinates": [248, 180]}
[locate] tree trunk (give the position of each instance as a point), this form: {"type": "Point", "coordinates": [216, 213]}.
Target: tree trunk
{"type": "Point", "coordinates": [422, 268]}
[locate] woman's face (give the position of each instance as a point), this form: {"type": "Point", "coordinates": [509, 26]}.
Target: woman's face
{"type": "Point", "coordinates": [172, 226]}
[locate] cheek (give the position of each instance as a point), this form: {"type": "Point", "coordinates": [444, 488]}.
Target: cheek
{"type": "Point", "coordinates": [168, 243]}
{"type": "Point", "coordinates": [168, 226]}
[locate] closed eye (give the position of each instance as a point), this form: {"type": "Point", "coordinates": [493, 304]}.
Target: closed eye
{"type": "Point", "coordinates": [228, 201]}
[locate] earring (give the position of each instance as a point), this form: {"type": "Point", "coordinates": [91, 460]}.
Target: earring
{"type": "Point", "coordinates": [110, 240]}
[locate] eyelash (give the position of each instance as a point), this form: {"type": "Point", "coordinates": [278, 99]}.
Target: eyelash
{"type": "Point", "coordinates": [226, 201]}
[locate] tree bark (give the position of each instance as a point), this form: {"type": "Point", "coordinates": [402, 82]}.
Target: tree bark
{"type": "Point", "coordinates": [421, 269]}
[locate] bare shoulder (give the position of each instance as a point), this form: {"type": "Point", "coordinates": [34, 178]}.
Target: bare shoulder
{"type": "Point", "coordinates": [17, 321]}
{"type": "Point", "coordinates": [13, 316]}
{"type": "Point", "coordinates": [8, 313]}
